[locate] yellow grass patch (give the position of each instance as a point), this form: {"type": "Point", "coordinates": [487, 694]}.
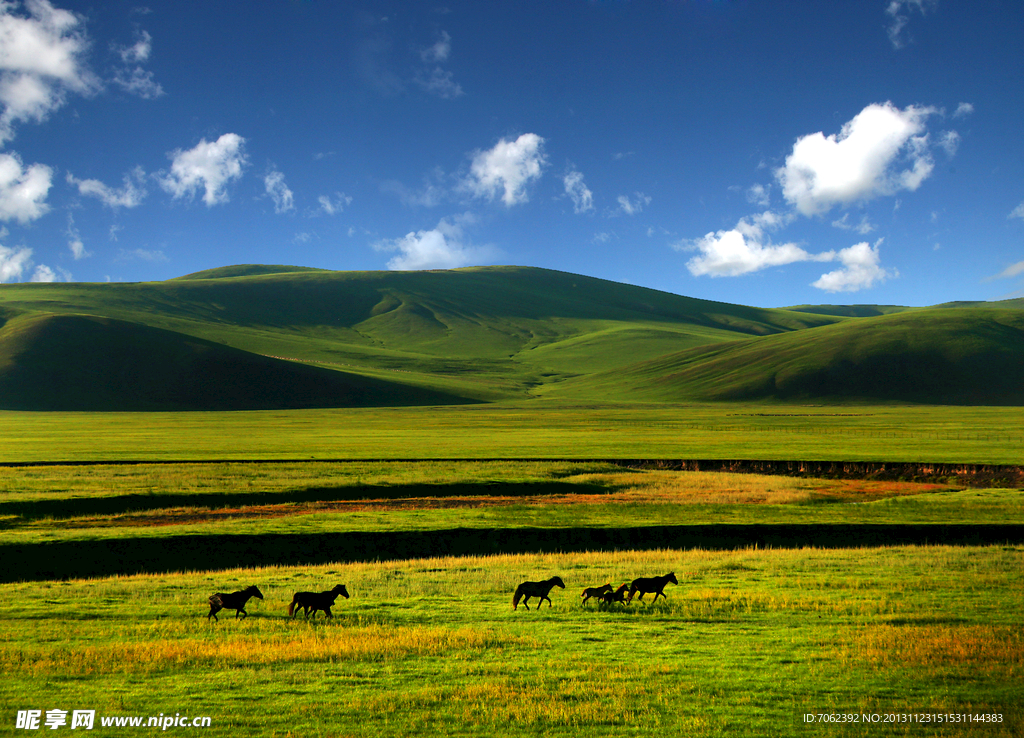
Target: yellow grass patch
{"type": "Point", "coordinates": [287, 644]}
{"type": "Point", "coordinates": [980, 650]}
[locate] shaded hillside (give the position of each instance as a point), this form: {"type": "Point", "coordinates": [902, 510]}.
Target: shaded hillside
{"type": "Point", "coordinates": [77, 362]}
{"type": "Point", "coordinates": [969, 356]}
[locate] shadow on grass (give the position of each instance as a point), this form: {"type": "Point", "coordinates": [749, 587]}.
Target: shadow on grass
{"type": "Point", "coordinates": [118, 505]}
{"type": "Point", "coordinates": [81, 559]}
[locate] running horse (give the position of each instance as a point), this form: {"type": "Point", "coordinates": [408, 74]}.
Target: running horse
{"type": "Point", "coordinates": [596, 592]}
{"type": "Point", "coordinates": [618, 595]}
{"type": "Point", "coordinates": [646, 585]}
{"type": "Point", "coordinates": [526, 590]}
{"type": "Point", "coordinates": [233, 601]}
{"type": "Point", "coordinates": [310, 602]}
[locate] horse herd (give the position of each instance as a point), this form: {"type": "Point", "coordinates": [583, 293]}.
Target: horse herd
{"type": "Point", "coordinates": [313, 602]}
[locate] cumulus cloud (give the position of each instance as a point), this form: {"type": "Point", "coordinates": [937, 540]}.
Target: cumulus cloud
{"type": "Point", "coordinates": [881, 151]}
{"type": "Point", "coordinates": [210, 165]}
{"type": "Point", "coordinates": [284, 199]}
{"type": "Point", "coordinates": [42, 52]}
{"type": "Point", "coordinates": [899, 15]}
{"type": "Point", "coordinates": [744, 249]}
{"type": "Point", "coordinates": [442, 247]}
{"type": "Point", "coordinates": [13, 262]}
{"type": "Point", "coordinates": [581, 196]}
{"type": "Point", "coordinates": [860, 270]}
{"type": "Point", "coordinates": [43, 273]}
{"type": "Point", "coordinates": [507, 169]}
{"type": "Point", "coordinates": [23, 191]}
{"type": "Point", "coordinates": [634, 206]}
{"type": "Point", "coordinates": [130, 195]}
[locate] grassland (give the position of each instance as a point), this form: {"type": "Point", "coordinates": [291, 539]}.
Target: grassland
{"type": "Point", "coordinates": [478, 428]}
{"type": "Point", "coordinates": [749, 642]}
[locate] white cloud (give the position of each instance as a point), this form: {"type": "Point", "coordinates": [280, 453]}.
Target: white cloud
{"type": "Point", "coordinates": [75, 243]}
{"type": "Point", "coordinates": [43, 273]}
{"type": "Point", "coordinates": [759, 195]}
{"type": "Point", "coordinates": [331, 206]}
{"type": "Point", "coordinates": [732, 253]}
{"type": "Point", "coordinates": [507, 168]}
{"type": "Point", "coordinates": [129, 196]}
{"type": "Point", "coordinates": [581, 196]}
{"type": "Point", "coordinates": [13, 262]}
{"type": "Point", "coordinates": [439, 248]}
{"type": "Point", "coordinates": [1017, 212]}
{"type": "Point", "coordinates": [439, 51]}
{"type": "Point", "coordinates": [439, 82]}
{"type": "Point", "coordinates": [860, 270]}
{"type": "Point", "coordinates": [137, 52]}
{"type": "Point", "coordinates": [210, 165]}
{"type": "Point", "coordinates": [897, 11]}
{"type": "Point", "coordinates": [1014, 270]}
{"type": "Point", "coordinates": [864, 227]}
{"type": "Point", "coordinates": [23, 191]}
{"type": "Point", "coordinates": [632, 207]}
{"type": "Point", "coordinates": [41, 60]}
{"type": "Point", "coordinates": [950, 142]}
{"type": "Point", "coordinates": [963, 110]}
{"type": "Point", "coordinates": [138, 81]}
{"type": "Point", "coordinates": [284, 199]}
{"type": "Point", "coordinates": [860, 162]}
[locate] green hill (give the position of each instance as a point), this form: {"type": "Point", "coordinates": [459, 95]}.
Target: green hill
{"type": "Point", "coordinates": [79, 362]}
{"type": "Point", "coordinates": [469, 335]}
{"type": "Point", "coordinates": [970, 356]}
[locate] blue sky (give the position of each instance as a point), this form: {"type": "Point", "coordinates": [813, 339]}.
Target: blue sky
{"type": "Point", "coordinates": [763, 153]}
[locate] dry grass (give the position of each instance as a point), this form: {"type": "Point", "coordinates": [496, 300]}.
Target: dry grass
{"type": "Point", "coordinates": [252, 645]}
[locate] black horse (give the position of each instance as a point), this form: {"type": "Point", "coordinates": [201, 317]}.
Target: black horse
{"type": "Point", "coordinates": [651, 584]}
{"type": "Point", "coordinates": [233, 601]}
{"type": "Point", "coordinates": [310, 602]}
{"type": "Point", "coordinates": [597, 592]}
{"type": "Point", "coordinates": [526, 590]}
{"type": "Point", "coordinates": [618, 595]}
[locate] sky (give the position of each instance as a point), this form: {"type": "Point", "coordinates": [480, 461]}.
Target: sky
{"type": "Point", "coordinates": [766, 153]}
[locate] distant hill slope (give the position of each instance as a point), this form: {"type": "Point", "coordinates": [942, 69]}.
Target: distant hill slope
{"type": "Point", "coordinates": [78, 362]}
{"type": "Point", "coordinates": [969, 356]}
{"type": "Point", "coordinates": [474, 334]}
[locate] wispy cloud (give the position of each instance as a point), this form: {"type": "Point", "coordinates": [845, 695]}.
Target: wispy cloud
{"type": "Point", "coordinates": [130, 195]}
{"type": "Point", "coordinates": [633, 206]}
{"type": "Point", "coordinates": [899, 15]}
{"type": "Point", "coordinates": [284, 199]}
{"type": "Point", "coordinates": [581, 196]}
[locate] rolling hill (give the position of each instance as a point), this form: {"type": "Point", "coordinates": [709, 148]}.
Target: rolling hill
{"type": "Point", "coordinates": [259, 336]}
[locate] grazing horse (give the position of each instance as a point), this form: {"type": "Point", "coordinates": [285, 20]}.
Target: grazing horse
{"type": "Point", "coordinates": [234, 601]}
{"type": "Point", "coordinates": [310, 602]}
{"type": "Point", "coordinates": [618, 595]}
{"type": "Point", "coordinates": [651, 584]}
{"type": "Point", "coordinates": [596, 591]}
{"type": "Point", "coordinates": [526, 590]}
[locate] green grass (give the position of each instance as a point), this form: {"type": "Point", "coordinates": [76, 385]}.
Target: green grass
{"type": "Point", "coordinates": [748, 643]}
{"type": "Point", "coordinates": [989, 435]}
